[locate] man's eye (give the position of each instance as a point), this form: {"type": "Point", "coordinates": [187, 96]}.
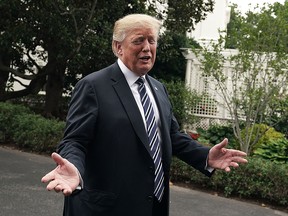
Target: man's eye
{"type": "Point", "coordinates": [152, 41]}
{"type": "Point", "coordinates": [141, 40]}
{"type": "Point", "coordinates": [137, 42]}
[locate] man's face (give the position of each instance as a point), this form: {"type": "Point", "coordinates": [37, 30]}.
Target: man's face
{"type": "Point", "coordinates": [138, 50]}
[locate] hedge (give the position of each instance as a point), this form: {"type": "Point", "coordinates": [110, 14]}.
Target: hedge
{"type": "Point", "coordinates": [25, 129]}
{"type": "Point", "coordinates": [258, 179]}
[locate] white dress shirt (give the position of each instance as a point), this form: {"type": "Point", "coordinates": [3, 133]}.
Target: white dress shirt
{"type": "Point", "coordinates": [131, 78]}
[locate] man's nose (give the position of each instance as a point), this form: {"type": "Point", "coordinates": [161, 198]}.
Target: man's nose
{"type": "Point", "coordinates": [146, 46]}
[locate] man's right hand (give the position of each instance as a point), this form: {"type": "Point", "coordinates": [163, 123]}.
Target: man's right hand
{"type": "Point", "coordinates": [65, 177]}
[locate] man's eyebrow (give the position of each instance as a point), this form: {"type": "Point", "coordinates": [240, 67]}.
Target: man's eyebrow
{"type": "Point", "coordinates": [139, 37]}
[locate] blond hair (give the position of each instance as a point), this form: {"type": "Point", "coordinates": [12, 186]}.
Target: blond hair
{"type": "Point", "coordinates": [130, 22]}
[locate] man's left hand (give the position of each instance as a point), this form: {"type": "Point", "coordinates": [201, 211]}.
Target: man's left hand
{"type": "Point", "coordinates": [222, 158]}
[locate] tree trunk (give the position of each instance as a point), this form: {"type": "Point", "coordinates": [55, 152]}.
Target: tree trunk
{"type": "Point", "coordinates": [54, 90]}
{"type": "Point", "coordinates": [4, 75]}
{"type": "Point", "coordinates": [3, 80]}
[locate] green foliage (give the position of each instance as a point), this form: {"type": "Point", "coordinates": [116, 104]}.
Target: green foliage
{"type": "Point", "coordinates": [260, 179]}
{"type": "Point", "coordinates": [216, 133]}
{"type": "Point", "coordinates": [264, 31]}
{"type": "Point", "coordinates": [257, 76]}
{"type": "Point", "coordinates": [170, 63]}
{"type": "Point", "coordinates": [183, 14]}
{"type": "Point", "coordinates": [36, 133]}
{"type": "Point", "coordinates": [8, 115]}
{"type": "Point", "coordinates": [260, 135]}
{"type": "Point", "coordinates": [27, 130]}
{"type": "Point", "coordinates": [76, 35]}
{"type": "Point", "coordinates": [278, 115]}
{"type": "Point", "coordinates": [183, 100]}
{"type": "Point", "coordinates": [275, 150]}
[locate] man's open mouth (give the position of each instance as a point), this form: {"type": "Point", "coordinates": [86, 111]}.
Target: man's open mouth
{"type": "Point", "coordinates": [145, 58]}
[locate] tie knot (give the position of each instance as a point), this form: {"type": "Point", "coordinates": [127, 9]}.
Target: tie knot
{"type": "Point", "coordinates": [140, 81]}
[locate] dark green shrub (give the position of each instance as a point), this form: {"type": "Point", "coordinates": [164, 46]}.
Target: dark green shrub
{"type": "Point", "coordinates": [274, 149]}
{"type": "Point", "coordinates": [37, 133]}
{"type": "Point", "coordinates": [181, 172]}
{"type": "Point", "coordinates": [21, 126]}
{"type": "Point", "coordinates": [8, 113]}
{"type": "Point", "coordinates": [279, 115]}
{"type": "Point", "coordinates": [261, 179]}
{"type": "Point", "coordinates": [267, 134]}
{"type": "Point", "coordinates": [183, 100]}
{"type": "Point", "coordinates": [216, 133]}
{"type": "Point", "coordinates": [36, 103]}
{"type": "Point", "coordinates": [258, 179]}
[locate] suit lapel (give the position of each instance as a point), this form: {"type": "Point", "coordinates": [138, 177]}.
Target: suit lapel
{"type": "Point", "coordinates": [127, 99]}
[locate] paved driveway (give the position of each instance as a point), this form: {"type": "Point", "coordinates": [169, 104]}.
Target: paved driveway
{"type": "Point", "coordinates": [22, 193]}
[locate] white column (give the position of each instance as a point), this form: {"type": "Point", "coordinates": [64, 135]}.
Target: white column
{"type": "Point", "coordinates": [188, 73]}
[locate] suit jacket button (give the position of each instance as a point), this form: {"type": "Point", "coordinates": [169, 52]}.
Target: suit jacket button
{"type": "Point", "coordinates": [150, 198]}
{"type": "Point", "coordinates": [151, 168]}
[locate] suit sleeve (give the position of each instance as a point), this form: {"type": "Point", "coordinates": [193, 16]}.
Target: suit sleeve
{"type": "Point", "coordinates": [80, 125]}
{"type": "Point", "coordinates": [187, 149]}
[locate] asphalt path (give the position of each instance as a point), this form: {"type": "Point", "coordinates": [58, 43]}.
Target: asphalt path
{"type": "Point", "coordinates": [22, 193]}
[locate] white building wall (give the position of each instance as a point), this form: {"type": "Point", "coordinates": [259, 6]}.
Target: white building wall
{"type": "Point", "coordinates": [207, 30]}
{"type": "Point", "coordinates": [212, 108]}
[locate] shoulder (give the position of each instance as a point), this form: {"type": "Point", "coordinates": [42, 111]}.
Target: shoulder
{"type": "Point", "coordinates": [156, 84]}
{"type": "Point", "coordinates": [99, 75]}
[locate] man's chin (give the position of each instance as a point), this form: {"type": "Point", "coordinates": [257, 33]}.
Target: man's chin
{"type": "Point", "coordinates": [144, 70]}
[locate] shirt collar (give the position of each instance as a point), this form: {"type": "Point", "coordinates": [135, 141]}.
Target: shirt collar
{"type": "Point", "coordinates": [130, 76]}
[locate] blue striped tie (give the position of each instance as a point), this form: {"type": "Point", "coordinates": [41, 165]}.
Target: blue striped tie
{"type": "Point", "coordinates": [154, 142]}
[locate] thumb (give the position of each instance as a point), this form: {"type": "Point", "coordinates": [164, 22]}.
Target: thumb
{"type": "Point", "coordinates": [58, 159]}
{"type": "Point", "coordinates": [222, 144]}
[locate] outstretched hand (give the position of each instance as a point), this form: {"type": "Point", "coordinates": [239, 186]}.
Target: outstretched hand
{"type": "Point", "coordinates": [63, 178]}
{"type": "Point", "coordinates": [222, 158]}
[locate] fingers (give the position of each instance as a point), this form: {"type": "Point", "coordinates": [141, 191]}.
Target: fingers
{"type": "Point", "coordinates": [52, 185]}
{"type": "Point", "coordinates": [235, 163]}
{"type": "Point", "coordinates": [239, 160]}
{"type": "Point", "coordinates": [232, 164]}
{"type": "Point", "coordinates": [49, 176]}
{"type": "Point", "coordinates": [67, 191]}
{"type": "Point", "coordinates": [59, 186]}
{"type": "Point", "coordinates": [63, 178]}
{"type": "Point", "coordinates": [227, 169]}
{"type": "Point", "coordinates": [238, 153]}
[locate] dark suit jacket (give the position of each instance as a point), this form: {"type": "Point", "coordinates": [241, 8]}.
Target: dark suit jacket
{"type": "Point", "coordinates": [106, 140]}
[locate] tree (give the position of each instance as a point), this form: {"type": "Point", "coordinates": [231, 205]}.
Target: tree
{"type": "Point", "coordinates": [278, 116]}
{"type": "Point", "coordinates": [38, 39]}
{"type": "Point", "coordinates": [170, 63]}
{"type": "Point", "coordinates": [70, 39]}
{"type": "Point", "coordinates": [96, 52]}
{"type": "Point", "coordinates": [182, 15]}
{"type": "Point", "coordinates": [182, 100]}
{"type": "Point", "coordinates": [258, 74]}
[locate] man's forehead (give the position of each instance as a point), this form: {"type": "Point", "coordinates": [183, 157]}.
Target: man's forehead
{"type": "Point", "coordinates": [141, 31]}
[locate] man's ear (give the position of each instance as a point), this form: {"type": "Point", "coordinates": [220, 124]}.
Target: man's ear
{"type": "Point", "coordinates": [119, 48]}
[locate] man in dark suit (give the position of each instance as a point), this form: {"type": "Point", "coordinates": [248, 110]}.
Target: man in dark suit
{"type": "Point", "coordinates": [120, 135]}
